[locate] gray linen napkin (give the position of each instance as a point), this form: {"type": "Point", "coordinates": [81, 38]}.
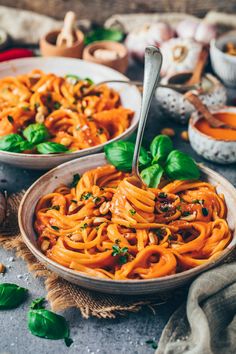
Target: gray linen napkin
{"type": "Point", "coordinates": [207, 324]}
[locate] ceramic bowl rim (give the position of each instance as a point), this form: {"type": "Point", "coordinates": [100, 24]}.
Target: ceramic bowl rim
{"type": "Point", "coordinates": [214, 46]}
{"type": "Point", "coordinates": [46, 260]}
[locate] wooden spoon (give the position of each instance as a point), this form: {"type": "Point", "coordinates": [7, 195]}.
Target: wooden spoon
{"type": "Point", "coordinates": [202, 108]}
{"type": "Point", "coordinates": [197, 74]}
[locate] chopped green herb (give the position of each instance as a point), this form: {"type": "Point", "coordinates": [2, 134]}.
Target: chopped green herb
{"type": "Point", "coordinates": [164, 208]}
{"type": "Point", "coordinates": [198, 201]}
{"type": "Point", "coordinates": [152, 343]}
{"type": "Point", "coordinates": [78, 127]}
{"type": "Point", "coordinates": [75, 181]}
{"type": "Point", "coordinates": [132, 211]}
{"type": "Point", "coordinates": [83, 227]}
{"type": "Point", "coordinates": [179, 207]}
{"type": "Point", "coordinates": [162, 195]}
{"type": "Point", "coordinates": [55, 227]}
{"type": "Point", "coordinates": [10, 119]}
{"type": "Point", "coordinates": [186, 213]}
{"type": "Point", "coordinates": [171, 238]}
{"type": "Point", "coordinates": [56, 207]}
{"type": "Point", "coordinates": [36, 106]}
{"type": "Point", "coordinates": [25, 108]}
{"type": "Point", "coordinates": [86, 196]}
{"type": "Point", "coordinates": [57, 105]}
{"type": "Point", "coordinates": [121, 252]}
{"type": "Point", "coordinates": [159, 232]}
{"type": "Point", "coordinates": [100, 131]}
{"type": "Point", "coordinates": [74, 201]}
{"type": "Point", "coordinates": [96, 200]}
{"type": "Point", "coordinates": [205, 212]}
{"type": "Point", "coordinates": [97, 228]}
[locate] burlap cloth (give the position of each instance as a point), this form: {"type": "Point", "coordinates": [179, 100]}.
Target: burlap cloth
{"type": "Point", "coordinates": [60, 293]}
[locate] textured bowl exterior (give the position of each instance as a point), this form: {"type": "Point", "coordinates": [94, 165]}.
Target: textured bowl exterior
{"type": "Point", "coordinates": [220, 151]}
{"type": "Point", "coordinates": [179, 109]}
{"type": "Point", "coordinates": [224, 65]}
{"type": "Point", "coordinates": [64, 174]}
{"type": "Point", "coordinates": [130, 98]}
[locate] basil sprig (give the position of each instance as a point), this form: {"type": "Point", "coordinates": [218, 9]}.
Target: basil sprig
{"type": "Point", "coordinates": [120, 154]}
{"type": "Point", "coordinates": [51, 148]}
{"type": "Point", "coordinates": [104, 34]}
{"type": "Point", "coordinates": [36, 133]}
{"type": "Point", "coordinates": [11, 296]}
{"type": "Point", "coordinates": [12, 143]}
{"type": "Point", "coordinates": [47, 324]}
{"type": "Point", "coordinates": [161, 161]}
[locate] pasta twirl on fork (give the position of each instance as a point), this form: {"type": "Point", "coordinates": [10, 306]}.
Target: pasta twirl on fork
{"type": "Point", "coordinates": [106, 227]}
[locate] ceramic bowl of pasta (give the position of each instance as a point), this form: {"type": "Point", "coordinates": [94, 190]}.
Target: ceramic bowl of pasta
{"type": "Point", "coordinates": [88, 222]}
{"type": "Point", "coordinates": [50, 114]}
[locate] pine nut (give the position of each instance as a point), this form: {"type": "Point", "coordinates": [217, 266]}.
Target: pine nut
{"type": "Point", "coordinates": [2, 268]}
{"type": "Point", "coordinates": [98, 221]}
{"type": "Point", "coordinates": [104, 208]}
{"type": "Point", "coordinates": [45, 245]}
{"type": "Point", "coordinates": [184, 135]}
{"type": "Point", "coordinates": [168, 131]}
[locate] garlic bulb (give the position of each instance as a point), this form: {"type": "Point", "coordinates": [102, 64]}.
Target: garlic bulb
{"type": "Point", "coordinates": [187, 28]}
{"type": "Point", "coordinates": [205, 33]}
{"type": "Point", "coordinates": [154, 34]}
{"type": "Point", "coordinates": [179, 55]}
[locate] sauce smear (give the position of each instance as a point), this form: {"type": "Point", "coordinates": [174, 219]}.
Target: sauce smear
{"type": "Point", "coordinates": [219, 133]}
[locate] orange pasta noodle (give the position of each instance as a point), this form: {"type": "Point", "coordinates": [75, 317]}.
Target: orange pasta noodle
{"type": "Point", "coordinates": [108, 227]}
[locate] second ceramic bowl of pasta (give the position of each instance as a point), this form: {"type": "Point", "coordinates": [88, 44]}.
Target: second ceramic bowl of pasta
{"type": "Point", "coordinates": [130, 98]}
{"type": "Point", "coordinates": [63, 175]}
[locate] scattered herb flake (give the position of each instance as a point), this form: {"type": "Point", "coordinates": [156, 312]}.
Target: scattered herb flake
{"type": "Point", "coordinates": [86, 196]}
{"type": "Point", "coordinates": [74, 201]}
{"type": "Point", "coordinates": [205, 212]}
{"type": "Point", "coordinates": [164, 208]}
{"type": "Point", "coordinates": [96, 200]}
{"type": "Point", "coordinates": [75, 181]}
{"type": "Point", "coordinates": [162, 195]}
{"type": "Point", "coordinates": [57, 105]}
{"type": "Point", "coordinates": [132, 211]}
{"type": "Point", "coordinates": [10, 119]}
{"type": "Point", "coordinates": [25, 108]}
{"type": "Point", "coordinates": [186, 213]}
{"type": "Point", "coordinates": [152, 343]}
{"type": "Point", "coordinates": [83, 227]}
{"type": "Point", "coordinates": [100, 131]}
{"type": "Point", "coordinates": [56, 228]}
{"type": "Point", "coordinates": [55, 207]}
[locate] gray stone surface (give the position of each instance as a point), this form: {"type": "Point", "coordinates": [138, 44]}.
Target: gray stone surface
{"type": "Point", "coordinates": [123, 335]}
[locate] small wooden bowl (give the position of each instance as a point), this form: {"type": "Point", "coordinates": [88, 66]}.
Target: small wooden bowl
{"type": "Point", "coordinates": [220, 151]}
{"type": "Point", "coordinates": [48, 46]}
{"type": "Point", "coordinates": [119, 64]}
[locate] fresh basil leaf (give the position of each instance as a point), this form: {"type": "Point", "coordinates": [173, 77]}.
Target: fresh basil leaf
{"type": "Point", "coordinates": [152, 175]}
{"type": "Point", "coordinates": [11, 142]}
{"type": "Point", "coordinates": [36, 133]}
{"type": "Point", "coordinates": [47, 324]}
{"type": "Point", "coordinates": [160, 148]}
{"type": "Point", "coordinates": [37, 303]}
{"type": "Point", "coordinates": [120, 155]}
{"type": "Point", "coordinates": [51, 148]}
{"type": "Point", "coordinates": [75, 181]}
{"type": "Point", "coordinates": [11, 296]}
{"type": "Point", "coordinates": [181, 166]}
{"type": "Point", "coordinates": [89, 81]}
{"type": "Point", "coordinates": [104, 34]}
{"type": "Point", "coordinates": [25, 145]}
{"type": "Point", "coordinates": [73, 78]}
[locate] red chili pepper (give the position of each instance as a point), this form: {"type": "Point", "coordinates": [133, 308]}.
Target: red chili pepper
{"type": "Point", "coordinates": [16, 53]}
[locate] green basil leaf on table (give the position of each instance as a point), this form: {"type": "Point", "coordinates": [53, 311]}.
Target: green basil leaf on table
{"type": "Point", "coordinates": [36, 133]}
{"type": "Point", "coordinates": [11, 296]}
{"type": "Point", "coordinates": [104, 34]}
{"type": "Point", "coordinates": [47, 324]}
{"type": "Point", "coordinates": [51, 148]}
{"type": "Point", "coordinates": [160, 148]}
{"type": "Point", "coordinates": [120, 155]}
{"type": "Point", "coordinates": [181, 166]}
{"type": "Point", "coordinates": [11, 143]}
{"type": "Point", "coordinates": [152, 175]}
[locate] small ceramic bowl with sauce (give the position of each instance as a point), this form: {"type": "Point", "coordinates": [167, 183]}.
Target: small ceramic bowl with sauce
{"type": "Point", "coordinates": [214, 144]}
{"type": "Point", "coordinates": [109, 53]}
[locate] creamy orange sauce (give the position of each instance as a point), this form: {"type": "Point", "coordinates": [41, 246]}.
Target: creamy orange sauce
{"type": "Point", "coordinates": [219, 133]}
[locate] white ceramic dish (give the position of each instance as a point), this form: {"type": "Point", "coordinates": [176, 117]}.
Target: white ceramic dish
{"type": "Point", "coordinates": [224, 65]}
{"type": "Point", "coordinates": [64, 174]}
{"type": "Point", "coordinates": [221, 151]}
{"type": "Point", "coordinates": [130, 98]}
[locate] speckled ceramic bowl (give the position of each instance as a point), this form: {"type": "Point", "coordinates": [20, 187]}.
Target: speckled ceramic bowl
{"type": "Point", "coordinates": [63, 175]}
{"type": "Point", "coordinates": [175, 106]}
{"type": "Point", "coordinates": [130, 98]}
{"type": "Point", "coordinates": [223, 64]}
{"type": "Point", "coordinates": [221, 151]}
